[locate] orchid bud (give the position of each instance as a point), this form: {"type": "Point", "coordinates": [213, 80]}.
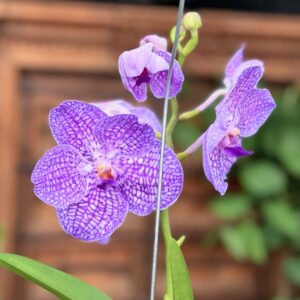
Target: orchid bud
{"type": "Point", "coordinates": [191, 21]}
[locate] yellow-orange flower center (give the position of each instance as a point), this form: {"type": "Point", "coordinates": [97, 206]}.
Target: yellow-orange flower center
{"type": "Point", "coordinates": [105, 172]}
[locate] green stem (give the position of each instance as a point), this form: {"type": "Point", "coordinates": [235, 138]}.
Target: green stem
{"type": "Point", "coordinates": [164, 215]}
{"type": "Point", "coordinates": [172, 122]}
{"type": "Point", "coordinates": [167, 235]}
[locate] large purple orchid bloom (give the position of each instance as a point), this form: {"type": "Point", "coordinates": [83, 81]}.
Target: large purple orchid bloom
{"type": "Point", "coordinates": [102, 168]}
{"type": "Point", "coordinates": [240, 114]}
{"type": "Point", "coordinates": [119, 106]}
{"type": "Point", "coordinates": [144, 65]}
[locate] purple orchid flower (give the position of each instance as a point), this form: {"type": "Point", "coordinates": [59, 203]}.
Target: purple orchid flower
{"type": "Point", "coordinates": [240, 114]}
{"type": "Point", "coordinates": [102, 168]}
{"type": "Point", "coordinates": [142, 66]}
{"type": "Point", "coordinates": [144, 114]}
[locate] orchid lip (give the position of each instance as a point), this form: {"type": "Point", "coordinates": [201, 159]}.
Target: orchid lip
{"type": "Point", "coordinates": [144, 77]}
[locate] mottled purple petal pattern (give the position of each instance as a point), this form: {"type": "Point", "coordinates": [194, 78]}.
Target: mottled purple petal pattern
{"type": "Point", "coordinates": [123, 133]}
{"type": "Point", "coordinates": [72, 123]}
{"type": "Point", "coordinates": [96, 216]}
{"type": "Point", "coordinates": [254, 111]}
{"type": "Point", "coordinates": [241, 113]}
{"type": "Point", "coordinates": [245, 79]}
{"type": "Point", "coordinates": [216, 165]}
{"type": "Point", "coordinates": [140, 177]}
{"type": "Point", "coordinates": [102, 166]}
{"type": "Point", "coordinates": [159, 79]}
{"type": "Point", "coordinates": [145, 115]}
{"type": "Point", "coordinates": [58, 178]}
{"type": "Point", "coordinates": [233, 64]}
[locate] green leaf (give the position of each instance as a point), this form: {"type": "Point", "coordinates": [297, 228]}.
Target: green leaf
{"type": "Point", "coordinates": [282, 217]}
{"type": "Point", "coordinates": [245, 242]}
{"type": "Point", "coordinates": [231, 207]}
{"type": "Point", "coordinates": [263, 178]}
{"type": "Point", "coordinates": [288, 150]}
{"type": "Point", "coordinates": [55, 281]}
{"type": "Point", "coordinates": [234, 243]}
{"type": "Point", "coordinates": [254, 240]}
{"type": "Point", "coordinates": [291, 268]}
{"type": "Point", "coordinates": [182, 288]}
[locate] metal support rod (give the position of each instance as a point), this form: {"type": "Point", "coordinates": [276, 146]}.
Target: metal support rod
{"type": "Point", "coordinates": [163, 142]}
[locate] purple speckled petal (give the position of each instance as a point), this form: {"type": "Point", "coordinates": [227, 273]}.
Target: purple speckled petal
{"type": "Point", "coordinates": [140, 178]}
{"type": "Point", "coordinates": [216, 165]}
{"type": "Point", "coordinates": [72, 123]}
{"type": "Point", "coordinates": [245, 79]}
{"type": "Point", "coordinates": [254, 111]}
{"type": "Point", "coordinates": [139, 92]}
{"type": "Point", "coordinates": [216, 133]}
{"type": "Point", "coordinates": [96, 216]}
{"type": "Point", "coordinates": [124, 135]}
{"type": "Point", "coordinates": [58, 178]}
{"type": "Point", "coordinates": [145, 115]}
{"type": "Point", "coordinates": [237, 151]}
{"type": "Point", "coordinates": [159, 79]}
{"type": "Point", "coordinates": [233, 64]}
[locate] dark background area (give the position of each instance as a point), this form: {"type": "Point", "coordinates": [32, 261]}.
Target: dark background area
{"type": "Point", "coordinates": [270, 6]}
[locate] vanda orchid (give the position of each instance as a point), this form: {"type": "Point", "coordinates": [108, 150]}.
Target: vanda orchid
{"type": "Point", "coordinates": [107, 158]}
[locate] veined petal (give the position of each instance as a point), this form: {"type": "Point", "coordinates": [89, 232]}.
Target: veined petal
{"type": "Point", "coordinates": [96, 216]}
{"type": "Point", "coordinates": [234, 63]}
{"type": "Point", "coordinates": [139, 92]}
{"type": "Point", "coordinates": [257, 106]}
{"type": "Point", "coordinates": [159, 79]}
{"type": "Point", "coordinates": [123, 134]}
{"type": "Point", "coordinates": [139, 180]}
{"type": "Point", "coordinates": [57, 177]}
{"type": "Point", "coordinates": [245, 79]}
{"type": "Point", "coordinates": [72, 123]}
{"type": "Point", "coordinates": [216, 165]}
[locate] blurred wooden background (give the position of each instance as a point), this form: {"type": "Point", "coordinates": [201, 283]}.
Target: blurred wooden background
{"type": "Point", "coordinates": [51, 51]}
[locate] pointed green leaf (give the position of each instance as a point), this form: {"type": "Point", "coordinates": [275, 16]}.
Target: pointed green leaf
{"type": "Point", "coordinates": [234, 242]}
{"type": "Point", "coordinates": [55, 281]}
{"type": "Point", "coordinates": [254, 240]}
{"type": "Point", "coordinates": [182, 288]}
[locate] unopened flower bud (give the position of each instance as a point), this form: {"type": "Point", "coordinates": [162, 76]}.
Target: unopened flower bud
{"type": "Point", "coordinates": [191, 21]}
